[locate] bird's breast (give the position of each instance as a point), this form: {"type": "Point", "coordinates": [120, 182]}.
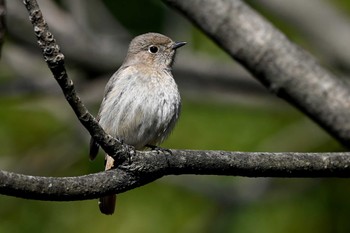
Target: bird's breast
{"type": "Point", "coordinates": [141, 108]}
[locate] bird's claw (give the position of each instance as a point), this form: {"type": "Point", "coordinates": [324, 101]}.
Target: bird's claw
{"type": "Point", "coordinates": [159, 149]}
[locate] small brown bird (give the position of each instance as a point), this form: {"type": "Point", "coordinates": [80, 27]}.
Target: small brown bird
{"type": "Point", "coordinates": [141, 102]}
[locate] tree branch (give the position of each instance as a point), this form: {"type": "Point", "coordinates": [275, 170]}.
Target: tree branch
{"type": "Point", "coordinates": [104, 39]}
{"type": "Point", "coordinates": [143, 167]}
{"type": "Point", "coordinates": [281, 66]}
{"type": "Point", "coordinates": [146, 167]}
{"type": "Point", "coordinates": [302, 14]}
{"type": "Point", "coordinates": [55, 61]}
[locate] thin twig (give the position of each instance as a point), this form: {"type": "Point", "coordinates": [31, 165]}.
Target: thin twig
{"type": "Point", "coordinates": [55, 61]}
{"type": "Point", "coordinates": [145, 167]}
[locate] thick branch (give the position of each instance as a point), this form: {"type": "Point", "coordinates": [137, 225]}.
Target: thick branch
{"type": "Point", "coordinates": [146, 167]}
{"type": "Point", "coordinates": [302, 15]}
{"type": "Point", "coordinates": [281, 66]}
{"type": "Point", "coordinates": [102, 39]}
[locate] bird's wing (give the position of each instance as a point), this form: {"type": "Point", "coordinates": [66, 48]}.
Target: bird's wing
{"type": "Point", "coordinates": [94, 146]}
{"type": "Point", "coordinates": [93, 149]}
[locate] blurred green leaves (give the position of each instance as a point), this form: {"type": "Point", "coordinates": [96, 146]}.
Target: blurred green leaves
{"type": "Point", "coordinates": [23, 126]}
{"type": "Point", "coordinates": [58, 147]}
{"type": "Point", "coordinates": [138, 16]}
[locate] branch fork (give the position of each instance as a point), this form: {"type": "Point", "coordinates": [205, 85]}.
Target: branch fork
{"type": "Point", "coordinates": [137, 168]}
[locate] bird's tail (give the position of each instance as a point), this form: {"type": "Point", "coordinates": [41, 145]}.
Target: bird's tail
{"type": "Point", "coordinates": [107, 203]}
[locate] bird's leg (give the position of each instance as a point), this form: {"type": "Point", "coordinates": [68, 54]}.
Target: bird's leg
{"type": "Point", "coordinates": [159, 149]}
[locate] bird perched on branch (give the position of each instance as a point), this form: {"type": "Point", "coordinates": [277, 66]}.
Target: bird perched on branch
{"type": "Point", "coordinates": [141, 101]}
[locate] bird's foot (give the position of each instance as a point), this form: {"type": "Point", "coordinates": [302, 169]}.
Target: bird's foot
{"type": "Point", "coordinates": [124, 153]}
{"type": "Point", "coordinates": [159, 149]}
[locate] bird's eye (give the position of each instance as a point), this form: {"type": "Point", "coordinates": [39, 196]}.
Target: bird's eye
{"type": "Point", "coordinates": [153, 49]}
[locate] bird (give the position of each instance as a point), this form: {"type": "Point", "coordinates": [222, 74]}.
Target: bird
{"type": "Point", "coordinates": [141, 102]}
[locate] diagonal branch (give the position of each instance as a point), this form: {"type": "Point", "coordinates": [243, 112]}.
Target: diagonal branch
{"type": "Point", "coordinates": [143, 167]}
{"type": "Point", "coordinates": [146, 167]}
{"type": "Point", "coordinates": [281, 66]}
{"type": "Point", "coordinates": [55, 61]}
{"type": "Point", "coordinates": [302, 14]}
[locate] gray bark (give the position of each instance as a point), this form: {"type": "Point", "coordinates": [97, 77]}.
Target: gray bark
{"type": "Point", "coordinates": [312, 17]}
{"type": "Point", "coordinates": [55, 61]}
{"type": "Point", "coordinates": [145, 167]}
{"type": "Point", "coordinates": [281, 66]}
{"type": "Point", "coordinates": [139, 168]}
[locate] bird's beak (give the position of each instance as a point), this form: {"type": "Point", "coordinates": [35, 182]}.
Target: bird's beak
{"type": "Point", "coordinates": [177, 45]}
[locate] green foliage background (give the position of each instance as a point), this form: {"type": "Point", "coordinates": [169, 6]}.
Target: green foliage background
{"type": "Point", "coordinates": [43, 143]}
